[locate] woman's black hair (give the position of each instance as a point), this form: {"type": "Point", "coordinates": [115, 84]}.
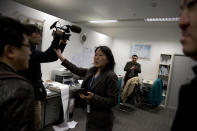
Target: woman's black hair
{"type": "Point", "coordinates": [107, 51]}
{"type": "Point", "coordinates": [134, 56]}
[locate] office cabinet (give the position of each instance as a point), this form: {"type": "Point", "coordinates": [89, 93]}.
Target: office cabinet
{"type": "Point", "coordinates": [52, 108]}
{"type": "Point", "coordinates": [52, 111]}
{"type": "Point", "coordinates": [164, 71]}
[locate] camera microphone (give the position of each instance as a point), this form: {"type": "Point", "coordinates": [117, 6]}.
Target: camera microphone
{"type": "Point", "coordinates": [53, 25]}
{"type": "Point", "coordinates": [66, 31]}
{"type": "Point", "coordinates": [75, 29]}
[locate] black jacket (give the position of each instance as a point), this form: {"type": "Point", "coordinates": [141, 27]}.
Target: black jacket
{"type": "Point", "coordinates": [16, 103]}
{"type": "Point", "coordinates": [33, 73]}
{"type": "Point", "coordinates": [187, 108]}
{"type": "Point", "coordinates": [129, 73]}
{"type": "Point", "coordinates": [105, 90]}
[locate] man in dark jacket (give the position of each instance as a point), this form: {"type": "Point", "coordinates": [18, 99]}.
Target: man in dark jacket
{"type": "Point", "coordinates": [186, 112]}
{"type": "Point", "coordinates": [132, 69]}
{"type": "Point", "coordinates": [33, 73]}
{"type": "Point", "coordinates": [16, 93]}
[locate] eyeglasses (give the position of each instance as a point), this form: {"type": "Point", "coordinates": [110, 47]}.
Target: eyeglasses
{"type": "Point", "coordinates": [28, 46]}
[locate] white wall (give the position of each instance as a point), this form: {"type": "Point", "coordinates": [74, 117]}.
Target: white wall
{"type": "Point", "coordinates": [161, 39]}
{"type": "Point", "coordinates": [94, 39]}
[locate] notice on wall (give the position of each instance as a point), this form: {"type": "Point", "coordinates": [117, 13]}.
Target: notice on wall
{"type": "Point", "coordinates": [141, 50]}
{"type": "Point", "coordinates": [84, 58]}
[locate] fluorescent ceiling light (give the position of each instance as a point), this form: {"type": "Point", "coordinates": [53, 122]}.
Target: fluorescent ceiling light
{"type": "Point", "coordinates": [102, 21]}
{"type": "Point", "coordinates": [161, 19]}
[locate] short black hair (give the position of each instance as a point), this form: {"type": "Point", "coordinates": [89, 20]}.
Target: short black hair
{"type": "Point", "coordinates": [134, 56]}
{"type": "Point", "coordinates": [107, 51]}
{"type": "Point", "coordinates": [11, 32]}
{"type": "Point", "coordinates": [32, 28]}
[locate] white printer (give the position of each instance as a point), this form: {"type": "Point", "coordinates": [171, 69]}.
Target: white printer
{"type": "Point", "coordinates": [62, 75]}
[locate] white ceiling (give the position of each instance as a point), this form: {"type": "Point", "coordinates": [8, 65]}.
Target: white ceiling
{"type": "Point", "coordinates": [130, 13]}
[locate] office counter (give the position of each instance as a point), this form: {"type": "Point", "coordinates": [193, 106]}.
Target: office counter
{"type": "Point", "coordinates": [52, 109]}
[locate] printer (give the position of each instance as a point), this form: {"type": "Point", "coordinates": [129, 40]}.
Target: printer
{"type": "Point", "coordinates": [63, 76]}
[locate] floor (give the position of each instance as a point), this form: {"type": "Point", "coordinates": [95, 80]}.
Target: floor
{"type": "Point", "coordinates": [136, 119]}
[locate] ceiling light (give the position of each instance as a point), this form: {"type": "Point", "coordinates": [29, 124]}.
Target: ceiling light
{"type": "Point", "coordinates": [102, 21]}
{"type": "Point", "coordinates": [161, 19]}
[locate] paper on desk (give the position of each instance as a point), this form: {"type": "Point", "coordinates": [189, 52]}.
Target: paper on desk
{"type": "Point", "coordinates": [54, 83]}
{"type": "Point", "coordinates": [80, 81]}
{"type": "Point", "coordinates": [65, 97]}
{"type": "Point", "coordinates": [48, 91]}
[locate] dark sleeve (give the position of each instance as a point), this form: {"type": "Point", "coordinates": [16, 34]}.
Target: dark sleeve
{"type": "Point", "coordinates": [46, 56]}
{"type": "Point", "coordinates": [17, 112]}
{"type": "Point", "coordinates": [112, 93]}
{"type": "Point", "coordinates": [138, 68]}
{"type": "Point", "coordinates": [62, 46]}
{"type": "Point", "coordinates": [178, 120]}
{"type": "Point", "coordinates": [74, 69]}
{"type": "Point", "coordinates": [127, 67]}
{"type": "Point", "coordinates": [185, 113]}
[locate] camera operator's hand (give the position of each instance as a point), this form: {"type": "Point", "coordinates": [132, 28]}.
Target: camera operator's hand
{"type": "Point", "coordinates": [57, 33]}
{"type": "Point", "coordinates": [64, 41]}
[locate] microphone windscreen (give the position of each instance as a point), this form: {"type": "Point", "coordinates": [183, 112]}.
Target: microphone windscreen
{"type": "Point", "coordinates": [75, 29]}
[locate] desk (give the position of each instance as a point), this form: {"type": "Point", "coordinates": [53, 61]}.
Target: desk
{"type": "Point", "coordinates": [52, 110]}
{"type": "Point", "coordinates": [145, 91]}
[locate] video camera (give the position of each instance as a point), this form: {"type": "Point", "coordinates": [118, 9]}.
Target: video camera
{"type": "Point", "coordinates": [66, 30]}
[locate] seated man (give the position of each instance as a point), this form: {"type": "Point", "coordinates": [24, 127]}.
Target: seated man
{"type": "Point", "coordinates": [16, 101]}
{"type": "Point", "coordinates": [132, 69]}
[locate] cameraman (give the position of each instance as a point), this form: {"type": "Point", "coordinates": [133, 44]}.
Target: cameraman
{"type": "Point", "coordinates": [33, 73]}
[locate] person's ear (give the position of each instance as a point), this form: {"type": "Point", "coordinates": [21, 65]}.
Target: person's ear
{"type": "Point", "coordinates": [9, 51]}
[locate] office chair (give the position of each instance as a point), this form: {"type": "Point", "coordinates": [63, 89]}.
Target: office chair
{"type": "Point", "coordinates": [130, 91]}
